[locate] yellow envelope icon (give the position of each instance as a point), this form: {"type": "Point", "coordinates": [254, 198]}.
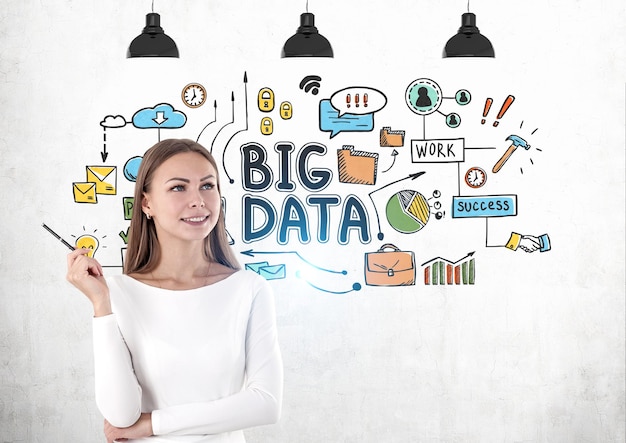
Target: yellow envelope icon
{"type": "Point", "coordinates": [85, 192]}
{"type": "Point", "coordinates": [105, 178]}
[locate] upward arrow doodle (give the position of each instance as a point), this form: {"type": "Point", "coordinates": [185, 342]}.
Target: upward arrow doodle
{"type": "Point", "coordinates": [394, 154]}
{"type": "Point", "coordinates": [245, 85]}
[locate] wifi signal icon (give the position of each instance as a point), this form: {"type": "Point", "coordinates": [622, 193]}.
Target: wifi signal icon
{"type": "Point", "coordinates": [311, 83]}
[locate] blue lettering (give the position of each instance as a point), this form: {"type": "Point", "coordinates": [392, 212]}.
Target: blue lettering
{"type": "Point", "coordinates": [293, 217]}
{"type": "Point", "coordinates": [254, 157]}
{"type": "Point", "coordinates": [284, 183]}
{"type": "Point", "coordinates": [252, 230]}
{"type": "Point", "coordinates": [314, 179]}
{"type": "Point", "coordinates": [354, 217]}
{"type": "Point", "coordinates": [323, 202]}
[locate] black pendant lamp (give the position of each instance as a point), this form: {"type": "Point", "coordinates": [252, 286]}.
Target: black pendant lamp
{"type": "Point", "coordinates": [307, 42]}
{"type": "Point", "coordinates": [468, 42]}
{"type": "Point", "coordinates": [153, 41]}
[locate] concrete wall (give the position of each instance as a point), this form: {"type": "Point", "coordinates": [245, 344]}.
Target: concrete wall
{"type": "Point", "coordinates": [529, 347]}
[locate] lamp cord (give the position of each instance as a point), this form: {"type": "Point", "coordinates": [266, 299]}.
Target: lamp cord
{"type": "Point", "coordinates": [307, 5]}
{"type": "Point", "coordinates": [152, 5]}
{"type": "Point", "coordinates": [468, 5]}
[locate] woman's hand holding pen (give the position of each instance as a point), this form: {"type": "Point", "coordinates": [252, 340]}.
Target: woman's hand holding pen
{"type": "Point", "coordinates": [86, 274]}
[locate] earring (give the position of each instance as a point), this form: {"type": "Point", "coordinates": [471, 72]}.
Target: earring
{"type": "Point", "coordinates": [148, 216]}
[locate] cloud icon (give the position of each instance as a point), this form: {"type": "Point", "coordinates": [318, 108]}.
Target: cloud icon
{"type": "Point", "coordinates": [161, 116]}
{"type": "Point", "coordinates": [131, 168]}
{"type": "Point", "coordinates": [111, 121]}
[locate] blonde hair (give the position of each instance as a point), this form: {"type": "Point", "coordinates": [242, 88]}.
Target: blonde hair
{"type": "Point", "coordinates": [143, 252]}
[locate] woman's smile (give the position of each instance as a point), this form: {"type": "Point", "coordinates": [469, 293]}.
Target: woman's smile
{"type": "Point", "coordinates": [197, 220]}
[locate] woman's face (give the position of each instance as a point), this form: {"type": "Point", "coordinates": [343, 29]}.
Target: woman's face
{"type": "Point", "coordinates": [183, 199]}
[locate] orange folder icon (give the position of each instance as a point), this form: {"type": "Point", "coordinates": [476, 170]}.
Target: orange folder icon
{"type": "Point", "coordinates": [357, 167]}
{"type": "Point", "coordinates": [391, 139]}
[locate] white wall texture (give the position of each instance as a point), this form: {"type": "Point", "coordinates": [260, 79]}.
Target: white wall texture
{"type": "Point", "coordinates": [533, 352]}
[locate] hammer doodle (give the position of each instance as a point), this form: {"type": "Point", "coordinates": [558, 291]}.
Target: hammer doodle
{"type": "Point", "coordinates": [516, 141]}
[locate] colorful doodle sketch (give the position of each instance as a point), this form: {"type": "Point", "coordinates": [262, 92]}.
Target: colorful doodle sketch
{"type": "Point", "coordinates": [298, 195]}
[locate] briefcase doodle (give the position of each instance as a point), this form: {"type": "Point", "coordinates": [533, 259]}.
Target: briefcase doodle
{"type": "Point", "coordinates": [389, 266]}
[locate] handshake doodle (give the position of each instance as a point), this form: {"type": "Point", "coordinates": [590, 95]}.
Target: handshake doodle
{"type": "Point", "coordinates": [528, 243]}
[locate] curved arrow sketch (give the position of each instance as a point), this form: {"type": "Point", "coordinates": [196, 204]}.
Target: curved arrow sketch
{"type": "Point", "coordinates": [394, 154]}
{"type": "Point", "coordinates": [245, 83]}
{"type": "Point", "coordinates": [232, 120]}
{"type": "Point", "coordinates": [355, 286]}
{"type": "Point", "coordinates": [210, 123]}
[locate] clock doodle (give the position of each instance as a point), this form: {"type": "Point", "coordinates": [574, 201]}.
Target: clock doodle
{"type": "Point", "coordinates": [475, 177]}
{"type": "Point", "coordinates": [194, 95]}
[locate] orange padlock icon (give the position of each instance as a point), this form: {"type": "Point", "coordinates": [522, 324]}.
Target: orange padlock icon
{"type": "Point", "coordinates": [266, 100]}
{"type": "Point", "coordinates": [267, 126]}
{"type": "Point", "coordinates": [286, 110]}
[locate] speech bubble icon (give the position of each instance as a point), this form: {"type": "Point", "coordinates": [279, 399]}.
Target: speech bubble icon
{"type": "Point", "coordinates": [358, 100]}
{"type": "Point", "coordinates": [331, 121]}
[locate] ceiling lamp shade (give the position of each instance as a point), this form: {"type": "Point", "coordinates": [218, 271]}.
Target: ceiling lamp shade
{"type": "Point", "coordinates": [307, 42]}
{"type": "Point", "coordinates": [152, 42]}
{"type": "Point", "coordinates": [468, 42]}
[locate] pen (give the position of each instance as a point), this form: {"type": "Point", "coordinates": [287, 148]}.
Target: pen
{"type": "Point", "coordinates": [72, 248]}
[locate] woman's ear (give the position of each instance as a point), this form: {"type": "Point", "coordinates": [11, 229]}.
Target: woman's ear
{"type": "Point", "coordinates": [145, 204]}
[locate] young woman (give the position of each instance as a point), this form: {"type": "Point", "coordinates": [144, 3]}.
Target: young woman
{"type": "Point", "coordinates": [185, 343]}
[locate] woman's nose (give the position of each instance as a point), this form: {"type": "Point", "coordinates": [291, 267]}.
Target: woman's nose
{"type": "Point", "coordinates": [197, 200]}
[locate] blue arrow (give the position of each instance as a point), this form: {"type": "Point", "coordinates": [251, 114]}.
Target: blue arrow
{"type": "Point", "coordinates": [355, 287]}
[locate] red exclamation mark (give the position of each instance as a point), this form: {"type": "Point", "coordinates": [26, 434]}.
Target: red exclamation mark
{"type": "Point", "coordinates": [505, 106]}
{"type": "Point", "coordinates": [356, 100]}
{"type": "Point", "coordinates": [486, 111]}
{"type": "Point", "coordinates": [365, 99]}
{"type": "Point", "coordinates": [348, 100]}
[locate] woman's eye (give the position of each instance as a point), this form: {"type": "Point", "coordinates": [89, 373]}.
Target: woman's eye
{"type": "Point", "coordinates": [207, 186]}
{"type": "Point", "coordinates": [178, 188]}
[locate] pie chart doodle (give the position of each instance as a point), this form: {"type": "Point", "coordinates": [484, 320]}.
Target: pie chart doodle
{"type": "Point", "coordinates": [407, 211]}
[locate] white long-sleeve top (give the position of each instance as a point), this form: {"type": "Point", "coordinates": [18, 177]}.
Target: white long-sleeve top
{"type": "Point", "coordinates": [205, 362]}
